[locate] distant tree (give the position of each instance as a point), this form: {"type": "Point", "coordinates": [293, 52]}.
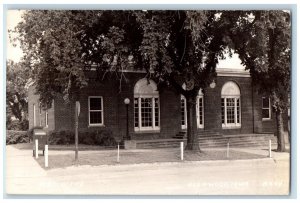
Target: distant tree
{"type": "Point", "coordinates": [263, 41]}
{"type": "Point", "coordinates": [16, 96]}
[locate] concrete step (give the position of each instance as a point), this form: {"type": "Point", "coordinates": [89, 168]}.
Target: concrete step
{"type": "Point", "coordinates": [249, 140]}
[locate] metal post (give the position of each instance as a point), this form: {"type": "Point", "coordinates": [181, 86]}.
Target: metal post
{"type": "Point", "coordinates": [270, 149]}
{"type": "Point", "coordinates": [127, 130]}
{"type": "Point", "coordinates": [227, 155]}
{"type": "Point", "coordinates": [46, 156]}
{"type": "Point", "coordinates": [118, 157]}
{"type": "Point", "coordinates": [36, 148]}
{"type": "Point", "coordinates": [181, 151]}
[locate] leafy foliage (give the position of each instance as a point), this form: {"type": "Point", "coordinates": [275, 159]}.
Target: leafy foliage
{"type": "Point", "coordinates": [174, 47]}
{"type": "Point", "coordinates": [16, 96]}
{"type": "Point", "coordinates": [265, 49]}
{"type": "Point", "coordinates": [14, 137]}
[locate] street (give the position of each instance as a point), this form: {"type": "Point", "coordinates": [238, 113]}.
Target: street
{"type": "Point", "coordinates": [267, 176]}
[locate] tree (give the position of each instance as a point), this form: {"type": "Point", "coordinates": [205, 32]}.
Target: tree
{"type": "Point", "coordinates": [263, 40]}
{"type": "Point", "coordinates": [175, 48]}
{"type": "Point", "coordinates": [16, 95]}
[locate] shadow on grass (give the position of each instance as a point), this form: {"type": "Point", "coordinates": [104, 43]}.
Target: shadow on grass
{"type": "Point", "coordinates": [102, 158]}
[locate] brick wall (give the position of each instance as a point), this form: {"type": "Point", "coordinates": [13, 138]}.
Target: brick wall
{"type": "Point", "coordinates": [33, 100]}
{"type": "Point", "coordinates": [170, 116]}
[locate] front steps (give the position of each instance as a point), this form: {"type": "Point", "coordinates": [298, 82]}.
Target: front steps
{"type": "Point", "coordinates": [212, 140]}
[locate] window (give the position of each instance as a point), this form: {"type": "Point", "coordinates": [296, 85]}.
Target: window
{"type": "Point", "coordinates": [40, 113]}
{"type": "Point", "coordinates": [34, 116]}
{"type": "Point", "coordinates": [95, 111]}
{"type": "Point", "coordinates": [146, 106]}
{"type": "Point", "coordinates": [230, 105]}
{"type": "Point", "coordinates": [266, 108]}
{"type": "Point", "coordinates": [46, 118]}
{"type": "Point", "coordinates": [199, 111]}
{"type": "Point", "coordinates": [183, 112]}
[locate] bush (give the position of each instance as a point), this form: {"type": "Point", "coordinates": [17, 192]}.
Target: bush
{"type": "Point", "coordinates": [14, 137]}
{"type": "Point", "coordinates": [102, 138]}
{"type": "Point", "coordinates": [17, 125]}
{"type": "Point", "coordinates": [61, 137]}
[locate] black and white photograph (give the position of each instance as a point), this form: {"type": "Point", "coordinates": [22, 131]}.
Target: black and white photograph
{"type": "Point", "coordinates": [136, 102]}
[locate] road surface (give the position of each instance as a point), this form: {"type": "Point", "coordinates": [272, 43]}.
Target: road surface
{"type": "Point", "coordinates": [234, 177]}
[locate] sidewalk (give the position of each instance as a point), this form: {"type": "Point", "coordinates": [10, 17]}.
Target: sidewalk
{"type": "Point", "coordinates": [26, 176]}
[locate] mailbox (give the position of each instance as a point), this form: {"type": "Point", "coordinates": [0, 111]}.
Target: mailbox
{"type": "Point", "coordinates": [41, 136]}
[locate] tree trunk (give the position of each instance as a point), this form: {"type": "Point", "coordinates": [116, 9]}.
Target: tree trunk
{"type": "Point", "coordinates": [192, 136]}
{"type": "Point", "coordinates": [280, 133]}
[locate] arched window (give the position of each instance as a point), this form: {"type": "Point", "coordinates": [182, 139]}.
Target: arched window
{"type": "Point", "coordinates": [199, 110]}
{"type": "Point", "coordinates": [146, 106]}
{"type": "Point", "coordinates": [231, 105]}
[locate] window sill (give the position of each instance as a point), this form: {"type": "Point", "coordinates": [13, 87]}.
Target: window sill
{"type": "Point", "coordinates": [146, 131]}
{"type": "Point", "coordinates": [267, 119]}
{"type": "Point", "coordinates": [231, 127]}
{"type": "Point", "coordinates": [96, 125]}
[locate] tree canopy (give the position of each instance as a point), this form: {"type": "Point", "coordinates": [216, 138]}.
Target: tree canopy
{"type": "Point", "coordinates": [174, 47]}
{"type": "Point", "coordinates": [16, 94]}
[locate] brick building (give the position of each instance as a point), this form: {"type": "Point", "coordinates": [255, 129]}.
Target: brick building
{"type": "Point", "coordinates": [230, 106]}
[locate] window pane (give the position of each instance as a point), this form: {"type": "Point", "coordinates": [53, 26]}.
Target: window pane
{"type": "Point", "coordinates": [95, 104]}
{"type": "Point", "coordinates": [238, 110]}
{"type": "Point", "coordinates": [146, 111]}
{"type": "Point", "coordinates": [265, 102]}
{"type": "Point", "coordinates": [265, 113]}
{"type": "Point", "coordinates": [201, 111]}
{"type": "Point", "coordinates": [156, 113]}
{"type": "Point", "coordinates": [230, 110]}
{"type": "Point", "coordinates": [136, 112]}
{"type": "Point", "coordinates": [182, 111]}
{"type": "Point", "coordinates": [223, 110]}
{"type": "Point", "coordinates": [96, 117]}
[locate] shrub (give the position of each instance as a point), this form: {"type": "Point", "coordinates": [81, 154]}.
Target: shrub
{"type": "Point", "coordinates": [14, 137]}
{"type": "Point", "coordinates": [102, 138]}
{"type": "Point", "coordinates": [61, 137]}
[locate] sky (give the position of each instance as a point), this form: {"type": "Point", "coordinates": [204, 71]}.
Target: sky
{"type": "Point", "coordinates": [15, 53]}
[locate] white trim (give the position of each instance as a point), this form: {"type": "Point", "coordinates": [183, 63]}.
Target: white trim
{"type": "Point", "coordinates": [102, 112]}
{"type": "Point", "coordinates": [233, 72]}
{"type": "Point", "coordinates": [262, 108]}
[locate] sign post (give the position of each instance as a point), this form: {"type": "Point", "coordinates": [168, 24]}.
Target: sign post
{"type": "Point", "coordinates": [77, 111]}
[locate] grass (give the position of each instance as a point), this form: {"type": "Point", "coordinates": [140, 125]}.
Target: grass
{"type": "Point", "coordinates": [59, 159]}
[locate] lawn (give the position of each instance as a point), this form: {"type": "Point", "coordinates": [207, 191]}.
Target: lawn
{"type": "Point", "coordinates": [62, 159]}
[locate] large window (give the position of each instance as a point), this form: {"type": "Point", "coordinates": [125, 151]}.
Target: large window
{"type": "Point", "coordinates": [199, 111]}
{"type": "Point", "coordinates": [146, 106]}
{"type": "Point", "coordinates": [230, 105]}
{"type": "Point", "coordinates": [95, 111]}
{"type": "Point", "coordinates": [266, 108]}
